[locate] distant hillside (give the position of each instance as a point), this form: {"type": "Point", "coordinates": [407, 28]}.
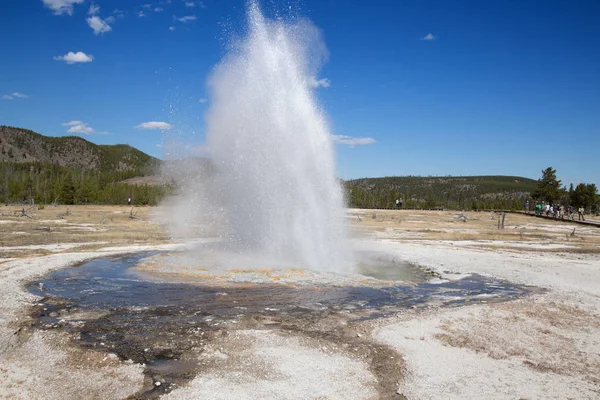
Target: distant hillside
{"type": "Point", "coordinates": [456, 192]}
{"type": "Point", "coordinates": [25, 146]}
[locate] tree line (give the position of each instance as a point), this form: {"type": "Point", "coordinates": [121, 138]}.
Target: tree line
{"type": "Point", "coordinates": [466, 192]}
{"type": "Point", "coordinates": [463, 193]}
{"type": "Point", "coordinates": [45, 183]}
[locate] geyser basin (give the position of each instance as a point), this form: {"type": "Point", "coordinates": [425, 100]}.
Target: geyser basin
{"type": "Point", "coordinates": [166, 324]}
{"type": "Point", "coordinates": [110, 284]}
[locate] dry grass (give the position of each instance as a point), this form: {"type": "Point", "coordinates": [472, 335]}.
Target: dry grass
{"type": "Point", "coordinates": [480, 228]}
{"type": "Point", "coordinates": [545, 336]}
{"type": "Point", "coordinates": [91, 227]}
{"type": "Point", "coordinates": [52, 229]}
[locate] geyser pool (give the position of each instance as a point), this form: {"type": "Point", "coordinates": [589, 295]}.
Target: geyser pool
{"type": "Point", "coordinates": [167, 325]}
{"type": "Point", "coordinates": [272, 188]}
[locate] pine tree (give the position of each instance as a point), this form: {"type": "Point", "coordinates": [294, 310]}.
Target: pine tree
{"type": "Point", "coordinates": [548, 187]}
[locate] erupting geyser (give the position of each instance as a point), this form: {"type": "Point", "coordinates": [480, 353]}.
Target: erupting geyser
{"type": "Point", "coordinates": [273, 168]}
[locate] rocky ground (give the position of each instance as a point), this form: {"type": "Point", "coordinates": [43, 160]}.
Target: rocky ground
{"type": "Point", "coordinates": [541, 346]}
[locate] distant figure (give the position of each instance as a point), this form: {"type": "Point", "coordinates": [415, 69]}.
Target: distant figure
{"type": "Point", "coordinates": [527, 207]}
{"type": "Point", "coordinates": [398, 203]}
{"type": "Point", "coordinates": [581, 211]}
{"type": "Point", "coordinates": [572, 212]}
{"type": "Point", "coordinates": [129, 200]}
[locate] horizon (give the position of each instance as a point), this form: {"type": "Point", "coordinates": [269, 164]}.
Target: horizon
{"type": "Point", "coordinates": [410, 89]}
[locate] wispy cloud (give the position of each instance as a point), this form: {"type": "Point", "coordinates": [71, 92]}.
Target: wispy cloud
{"type": "Point", "coordinates": [81, 127]}
{"type": "Point", "coordinates": [148, 6]}
{"type": "Point", "coordinates": [141, 14]}
{"type": "Point", "coordinates": [203, 100]}
{"type": "Point", "coordinates": [15, 95]}
{"type": "Point", "coordinates": [171, 28]}
{"type": "Point", "coordinates": [187, 18]}
{"type": "Point", "coordinates": [314, 83]}
{"type": "Point", "coordinates": [61, 6]}
{"type": "Point", "coordinates": [72, 58]}
{"type": "Point", "coordinates": [94, 9]}
{"type": "Point", "coordinates": [158, 9]}
{"type": "Point", "coordinates": [98, 25]}
{"type": "Point", "coordinates": [153, 125]}
{"type": "Point", "coordinates": [352, 141]}
{"type": "Point", "coordinates": [429, 36]}
{"type": "Point", "coordinates": [198, 4]}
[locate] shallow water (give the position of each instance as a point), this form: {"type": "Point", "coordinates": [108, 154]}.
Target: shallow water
{"type": "Point", "coordinates": [112, 283]}
{"type": "Point", "coordinates": [160, 323]}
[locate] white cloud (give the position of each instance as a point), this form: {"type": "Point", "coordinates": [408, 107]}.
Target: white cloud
{"type": "Point", "coordinates": [171, 28]}
{"type": "Point", "coordinates": [141, 14]}
{"type": "Point", "coordinates": [187, 18]}
{"type": "Point", "coordinates": [148, 6]}
{"type": "Point", "coordinates": [79, 127]}
{"type": "Point", "coordinates": [15, 95]}
{"type": "Point", "coordinates": [72, 58]}
{"type": "Point", "coordinates": [352, 141]}
{"type": "Point", "coordinates": [110, 20]}
{"type": "Point", "coordinates": [94, 9]}
{"type": "Point", "coordinates": [153, 125]}
{"type": "Point", "coordinates": [190, 4]}
{"type": "Point", "coordinates": [203, 100]}
{"type": "Point", "coordinates": [98, 25]}
{"type": "Point", "coordinates": [429, 36]}
{"type": "Point", "coordinates": [158, 9]}
{"type": "Point", "coordinates": [314, 83]}
{"type": "Point", "coordinates": [61, 6]}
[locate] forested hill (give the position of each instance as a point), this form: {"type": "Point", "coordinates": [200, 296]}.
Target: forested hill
{"type": "Point", "coordinates": [456, 192]}
{"type": "Point", "coordinates": [25, 146]}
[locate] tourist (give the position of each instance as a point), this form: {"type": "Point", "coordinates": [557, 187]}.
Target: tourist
{"type": "Point", "coordinates": [572, 212]}
{"type": "Point", "coordinates": [581, 211]}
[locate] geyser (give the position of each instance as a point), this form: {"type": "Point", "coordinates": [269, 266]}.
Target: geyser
{"type": "Point", "coordinates": [272, 179]}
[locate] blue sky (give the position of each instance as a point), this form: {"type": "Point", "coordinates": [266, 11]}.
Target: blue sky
{"type": "Point", "coordinates": [420, 87]}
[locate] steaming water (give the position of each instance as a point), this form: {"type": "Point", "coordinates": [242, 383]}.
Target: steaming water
{"type": "Point", "coordinates": [272, 154]}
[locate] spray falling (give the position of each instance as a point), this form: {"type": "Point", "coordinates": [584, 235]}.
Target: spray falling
{"type": "Point", "coordinates": [272, 155]}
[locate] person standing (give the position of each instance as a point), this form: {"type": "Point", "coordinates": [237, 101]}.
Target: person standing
{"type": "Point", "coordinates": [581, 211]}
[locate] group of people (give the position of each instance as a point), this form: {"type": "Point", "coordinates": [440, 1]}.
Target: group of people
{"type": "Point", "coordinates": [557, 211]}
